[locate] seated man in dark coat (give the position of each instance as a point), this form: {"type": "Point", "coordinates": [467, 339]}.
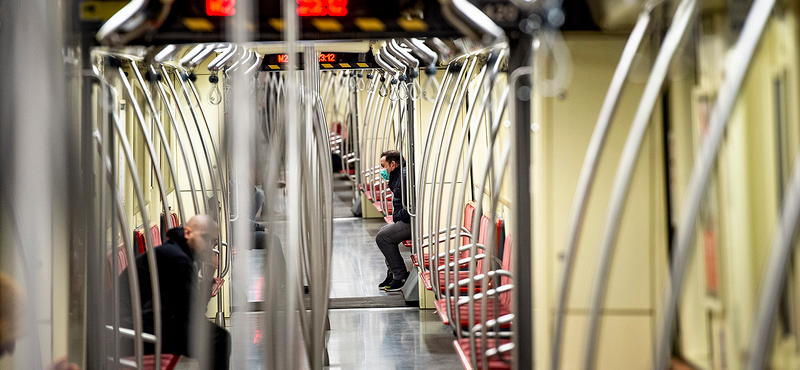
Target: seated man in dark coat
{"type": "Point", "coordinates": [185, 272]}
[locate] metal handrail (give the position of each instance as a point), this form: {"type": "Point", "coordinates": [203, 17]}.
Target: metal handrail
{"type": "Point", "coordinates": [179, 139]}
{"type": "Point", "coordinates": [735, 71]}
{"type": "Point", "coordinates": [470, 21]}
{"type": "Point", "coordinates": [133, 279]}
{"type": "Point", "coordinates": [425, 158]}
{"type": "Point", "coordinates": [683, 18]}
{"type": "Point", "coordinates": [448, 122]}
{"type": "Point", "coordinates": [435, 122]}
{"type": "Point", "coordinates": [484, 178]}
{"type": "Point", "coordinates": [588, 173]}
{"type": "Point", "coordinates": [150, 247]}
{"type": "Point", "coordinates": [185, 121]}
{"type": "Point", "coordinates": [155, 114]}
{"type": "Point", "coordinates": [148, 144]}
{"type": "Point", "coordinates": [492, 75]}
{"type": "Point", "coordinates": [497, 119]}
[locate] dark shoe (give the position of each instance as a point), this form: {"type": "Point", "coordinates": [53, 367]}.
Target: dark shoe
{"type": "Point", "coordinates": [386, 281]}
{"type": "Point", "coordinates": [396, 285]}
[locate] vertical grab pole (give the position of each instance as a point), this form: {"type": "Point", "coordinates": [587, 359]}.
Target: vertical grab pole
{"type": "Point", "coordinates": [521, 49]}
{"type": "Point", "coordinates": [293, 165]}
{"type": "Point", "coordinates": [587, 176]}
{"type": "Point", "coordinates": [735, 71]}
{"type": "Point", "coordinates": [680, 24]}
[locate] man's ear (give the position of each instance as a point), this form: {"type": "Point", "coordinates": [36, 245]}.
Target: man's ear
{"type": "Point", "coordinates": [187, 231]}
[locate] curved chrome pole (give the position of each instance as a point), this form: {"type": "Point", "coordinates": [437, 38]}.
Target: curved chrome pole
{"type": "Point", "coordinates": [446, 134]}
{"type": "Point", "coordinates": [478, 202]}
{"type": "Point", "coordinates": [150, 247]}
{"type": "Point", "coordinates": [133, 274]}
{"type": "Point", "coordinates": [474, 235]}
{"type": "Point", "coordinates": [164, 142]}
{"type": "Point", "coordinates": [179, 139]}
{"type": "Point", "coordinates": [451, 71]}
{"type": "Point", "coordinates": [460, 68]}
{"type": "Point", "coordinates": [735, 71]}
{"type": "Point", "coordinates": [149, 144]}
{"type": "Point", "coordinates": [587, 176]}
{"type": "Point", "coordinates": [493, 70]}
{"type": "Point", "coordinates": [185, 121]}
{"type": "Point", "coordinates": [680, 24]}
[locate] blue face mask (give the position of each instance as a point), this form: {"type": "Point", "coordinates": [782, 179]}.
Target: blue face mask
{"type": "Point", "coordinates": [385, 174]}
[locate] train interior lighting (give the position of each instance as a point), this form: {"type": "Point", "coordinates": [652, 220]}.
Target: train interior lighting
{"type": "Point", "coordinates": [427, 184]}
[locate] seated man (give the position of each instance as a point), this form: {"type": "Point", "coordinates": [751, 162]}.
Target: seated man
{"type": "Point", "coordinates": [185, 272]}
{"type": "Point", "coordinates": [395, 233]}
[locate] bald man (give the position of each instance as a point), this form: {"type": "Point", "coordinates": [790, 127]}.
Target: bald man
{"type": "Point", "coordinates": [186, 274]}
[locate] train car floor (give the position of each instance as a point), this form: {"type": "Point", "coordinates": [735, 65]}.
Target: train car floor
{"type": "Point", "coordinates": [390, 338]}
{"type": "Point", "coordinates": [370, 328]}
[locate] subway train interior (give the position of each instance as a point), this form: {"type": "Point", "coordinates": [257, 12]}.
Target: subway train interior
{"type": "Point", "coordinates": [570, 184]}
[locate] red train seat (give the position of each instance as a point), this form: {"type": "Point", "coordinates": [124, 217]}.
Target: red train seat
{"type": "Point", "coordinates": [498, 362]}
{"type": "Point", "coordinates": [139, 239]}
{"type": "Point", "coordinates": [168, 361]}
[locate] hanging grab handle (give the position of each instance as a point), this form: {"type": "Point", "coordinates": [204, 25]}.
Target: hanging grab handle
{"type": "Point", "coordinates": [414, 90]}
{"type": "Point", "coordinates": [383, 91]}
{"type": "Point", "coordinates": [431, 88]}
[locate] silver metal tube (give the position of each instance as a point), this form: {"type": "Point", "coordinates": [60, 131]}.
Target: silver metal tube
{"type": "Point", "coordinates": [472, 22]}
{"type": "Point", "coordinates": [484, 178]}
{"type": "Point", "coordinates": [187, 59]}
{"type": "Point", "coordinates": [197, 59]}
{"type": "Point", "coordinates": [478, 206]}
{"type": "Point", "coordinates": [217, 63]}
{"type": "Point", "coordinates": [119, 18]}
{"type": "Point", "coordinates": [293, 164]}
{"type": "Point", "coordinates": [133, 274]}
{"type": "Point", "coordinates": [445, 135]}
{"type": "Point", "coordinates": [181, 144]}
{"type": "Point", "coordinates": [149, 144]}
{"type": "Point", "coordinates": [735, 70]}
{"type": "Point", "coordinates": [424, 166]}
{"type": "Point", "coordinates": [680, 24]}
{"type": "Point", "coordinates": [189, 138]}
{"type": "Point", "coordinates": [150, 251]}
{"type": "Point", "coordinates": [165, 143]}
{"type": "Point", "coordinates": [587, 176]}
{"type": "Point", "coordinates": [432, 127]}
{"type": "Point", "coordinates": [452, 244]}
{"type": "Point", "coordinates": [775, 274]}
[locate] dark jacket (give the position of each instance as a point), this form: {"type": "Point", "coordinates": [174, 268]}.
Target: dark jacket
{"type": "Point", "coordinates": [179, 279]}
{"type": "Point", "coordinates": [399, 213]}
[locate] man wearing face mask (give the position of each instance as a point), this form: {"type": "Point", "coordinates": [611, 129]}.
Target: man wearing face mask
{"type": "Point", "coordinates": [391, 235]}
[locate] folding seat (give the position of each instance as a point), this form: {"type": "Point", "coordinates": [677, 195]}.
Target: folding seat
{"type": "Point", "coordinates": [503, 292]}
{"type": "Point", "coordinates": [139, 239]}
{"type": "Point", "coordinates": [469, 214]}
{"type": "Point", "coordinates": [496, 349]}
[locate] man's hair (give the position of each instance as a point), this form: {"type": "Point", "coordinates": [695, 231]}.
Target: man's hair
{"type": "Point", "coordinates": [391, 156]}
